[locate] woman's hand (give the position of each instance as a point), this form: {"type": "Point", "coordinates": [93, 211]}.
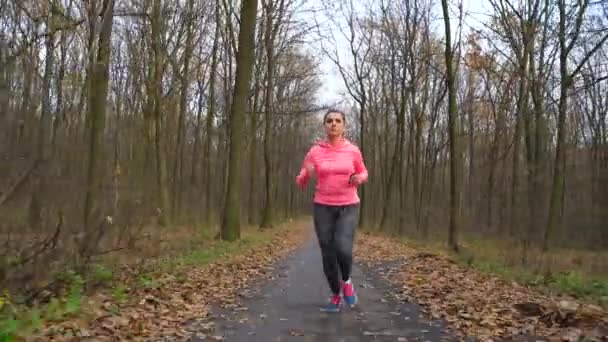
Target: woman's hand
{"type": "Point", "coordinates": [306, 173]}
{"type": "Point", "coordinates": [310, 169]}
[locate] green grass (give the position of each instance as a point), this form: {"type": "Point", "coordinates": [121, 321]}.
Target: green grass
{"type": "Point", "coordinates": [120, 292]}
{"type": "Point", "coordinates": [572, 283]}
{"type": "Point", "coordinates": [558, 271]}
{"type": "Point", "coordinates": [215, 251]}
{"type": "Point", "coordinates": [100, 274]}
{"type": "Point", "coordinates": [19, 320]}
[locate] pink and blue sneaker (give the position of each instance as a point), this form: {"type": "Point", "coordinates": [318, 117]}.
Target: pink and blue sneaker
{"type": "Point", "coordinates": [350, 296]}
{"type": "Point", "coordinates": [333, 305]}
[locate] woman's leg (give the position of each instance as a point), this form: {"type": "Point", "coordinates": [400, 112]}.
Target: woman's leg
{"type": "Point", "coordinates": [346, 224]}
{"type": "Point", "coordinates": [345, 234]}
{"type": "Point", "coordinates": [325, 223]}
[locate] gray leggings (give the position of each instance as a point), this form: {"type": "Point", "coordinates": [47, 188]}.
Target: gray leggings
{"type": "Point", "coordinates": [335, 228]}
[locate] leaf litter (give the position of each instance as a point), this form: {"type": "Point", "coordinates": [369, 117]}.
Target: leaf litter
{"type": "Point", "coordinates": [479, 304]}
{"type": "Point", "coordinates": [167, 309]}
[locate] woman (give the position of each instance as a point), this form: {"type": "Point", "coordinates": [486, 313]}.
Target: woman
{"type": "Point", "coordinates": [339, 169]}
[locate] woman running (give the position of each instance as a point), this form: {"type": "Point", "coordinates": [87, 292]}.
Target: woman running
{"type": "Point", "coordinates": [339, 169]}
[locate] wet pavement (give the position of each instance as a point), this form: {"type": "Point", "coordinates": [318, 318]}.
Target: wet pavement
{"type": "Point", "coordinates": [286, 308]}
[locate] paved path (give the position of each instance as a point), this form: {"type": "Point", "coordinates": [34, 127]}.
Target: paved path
{"type": "Point", "coordinates": [287, 309]}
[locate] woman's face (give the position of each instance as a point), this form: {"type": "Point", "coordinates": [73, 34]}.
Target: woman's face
{"type": "Point", "coordinates": [334, 124]}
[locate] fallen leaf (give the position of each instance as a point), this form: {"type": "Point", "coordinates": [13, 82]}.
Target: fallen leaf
{"type": "Point", "coordinates": [295, 332]}
{"type": "Point", "coordinates": [163, 311]}
{"type": "Point", "coordinates": [474, 303]}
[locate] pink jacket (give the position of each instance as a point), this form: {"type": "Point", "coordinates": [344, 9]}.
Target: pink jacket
{"type": "Point", "coordinates": [334, 166]}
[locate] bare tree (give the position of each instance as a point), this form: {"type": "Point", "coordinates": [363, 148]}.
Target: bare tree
{"type": "Point", "coordinates": [274, 17]}
{"type": "Point", "coordinates": [231, 223]}
{"type": "Point", "coordinates": [97, 102]}
{"type": "Point", "coordinates": [455, 169]}
{"type": "Point", "coordinates": [566, 79]}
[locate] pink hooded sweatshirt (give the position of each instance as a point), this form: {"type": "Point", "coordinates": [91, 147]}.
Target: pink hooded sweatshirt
{"type": "Point", "coordinates": [334, 166]}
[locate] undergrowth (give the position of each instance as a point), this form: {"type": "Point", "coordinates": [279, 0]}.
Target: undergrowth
{"type": "Point", "coordinates": [571, 282]}
{"type": "Point", "coordinates": [19, 319]}
{"type": "Point", "coordinates": [557, 272]}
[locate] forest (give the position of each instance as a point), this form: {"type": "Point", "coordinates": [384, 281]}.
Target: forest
{"type": "Point", "coordinates": [128, 127]}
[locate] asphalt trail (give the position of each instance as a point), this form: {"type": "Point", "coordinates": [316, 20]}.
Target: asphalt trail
{"type": "Point", "coordinates": [287, 309]}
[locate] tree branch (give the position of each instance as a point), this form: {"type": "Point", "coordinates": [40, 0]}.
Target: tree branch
{"type": "Point", "coordinates": [589, 54]}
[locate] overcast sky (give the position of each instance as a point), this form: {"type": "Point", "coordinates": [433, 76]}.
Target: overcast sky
{"type": "Point", "coordinates": [333, 86]}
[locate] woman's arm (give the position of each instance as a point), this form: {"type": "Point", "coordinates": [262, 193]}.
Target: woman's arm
{"type": "Point", "coordinates": [306, 171]}
{"type": "Point", "coordinates": [360, 175]}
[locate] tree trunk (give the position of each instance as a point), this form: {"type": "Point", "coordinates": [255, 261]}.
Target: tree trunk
{"type": "Point", "coordinates": [521, 128]}
{"type": "Point", "coordinates": [555, 204]}
{"type": "Point", "coordinates": [272, 27]}
{"type": "Point", "coordinates": [253, 148]}
{"type": "Point", "coordinates": [197, 131]}
{"type": "Point", "coordinates": [59, 110]}
{"type": "Point", "coordinates": [454, 225]}
{"type": "Point", "coordinates": [35, 208]}
{"type": "Point", "coordinates": [363, 149]}
{"type": "Point", "coordinates": [210, 114]}
{"type": "Point", "coordinates": [267, 212]}
{"type": "Point", "coordinates": [161, 162]}
{"type": "Point", "coordinates": [5, 114]}
{"type": "Point", "coordinates": [231, 221]}
{"type": "Point", "coordinates": [183, 106]}
{"type": "Point", "coordinates": [97, 108]}
{"type": "Point", "coordinates": [471, 123]}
